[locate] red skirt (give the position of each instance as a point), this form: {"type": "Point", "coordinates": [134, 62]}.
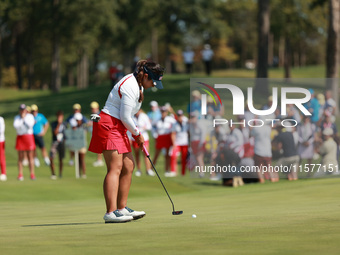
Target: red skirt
{"type": "Point", "coordinates": [109, 134]}
{"type": "Point", "coordinates": [196, 149]}
{"type": "Point", "coordinates": [163, 141]}
{"type": "Point", "coordinates": [25, 143]}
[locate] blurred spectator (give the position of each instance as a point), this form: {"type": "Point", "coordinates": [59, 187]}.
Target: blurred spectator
{"type": "Point", "coordinates": [188, 58]}
{"type": "Point", "coordinates": [164, 129]}
{"type": "Point", "coordinates": [207, 55]}
{"type": "Point", "coordinates": [330, 103]}
{"type": "Point", "coordinates": [70, 118]}
{"type": "Point", "coordinates": [195, 103]}
{"type": "Point", "coordinates": [25, 160]}
{"type": "Point", "coordinates": [313, 107]}
{"type": "Point", "coordinates": [263, 152]}
{"type": "Point", "coordinates": [58, 143]}
{"type": "Point", "coordinates": [235, 142]}
{"type": "Point", "coordinates": [3, 176]}
{"type": "Point", "coordinates": [113, 70]}
{"type": "Point", "coordinates": [39, 130]}
{"type": "Point", "coordinates": [328, 151]}
{"type": "Point", "coordinates": [213, 109]}
{"type": "Point", "coordinates": [197, 140]}
{"type": "Point", "coordinates": [95, 109]}
{"type": "Point", "coordinates": [77, 123]}
{"type": "Point", "coordinates": [23, 124]}
{"type": "Point", "coordinates": [143, 123]}
{"type": "Point", "coordinates": [285, 141]}
{"type": "Point", "coordinates": [306, 131]}
{"type": "Point", "coordinates": [155, 113]}
{"type": "Point", "coordinates": [322, 102]}
{"type": "Point", "coordinates": [181, 142]}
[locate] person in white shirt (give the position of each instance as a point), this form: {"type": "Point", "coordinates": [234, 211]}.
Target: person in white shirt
{"type": "Point", "coordinates": [3, 176]}
{"type": "Point", "coordinates": [109, 137]}
{"type": "Point", "coordinates": [263, 151]}
{"type": "Point", "coordinates": [181, 142]}
{"type": "Point", "coordinates": [164, 129]}
{"type": "Point", "coordinates": [23, 123]}
{"type": "Point", "coordinates": [188, 57]}
{"type": "Point", "coordinates": [144, 124]}
{"type": "Point", "coordinates": [207, 55]}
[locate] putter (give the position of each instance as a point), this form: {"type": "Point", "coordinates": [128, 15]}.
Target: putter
{"type": "Point", "coordinates": [173, 207]}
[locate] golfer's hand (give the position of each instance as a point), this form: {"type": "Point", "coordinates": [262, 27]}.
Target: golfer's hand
{"type": "Point", "coordinates": [139, 140]}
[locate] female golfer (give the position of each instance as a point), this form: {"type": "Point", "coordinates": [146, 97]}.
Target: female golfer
{"type": "Point", "coordinates": [109, 137]}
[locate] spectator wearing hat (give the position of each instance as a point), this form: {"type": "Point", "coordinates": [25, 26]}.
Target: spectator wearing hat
{"type": "Point", "coordinates": [95, 109]}
{"type": "Point", "coordinates": [77, 123]}
{"type": "Point", "coordinates": [144, 124]}
{"type": "Point", "coordinates": [207, 56]}
{"type": "Point", "coordinates": [195, 103]}
{"type": "Point", "coordinates": [39, 130]}
{"type": "Point", "coordinates": [181, 144]}
{"type": "Point", "coordinates": [3, 176]}
{"type": "Point", "coordinates": [328, 152]}
{"type": "Point", "coordinates": [154, 114]}
{"type": "Point", "coordinates": [58, 143]}
{"type": "Point", "coordinates": [23, 124]}
{"type": "Point", "coordinates": [76, 109]}
{"type": "Point", "coordinates": [164, 130]}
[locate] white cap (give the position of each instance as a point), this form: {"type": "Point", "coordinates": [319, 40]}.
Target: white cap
{"type": "Point", "coordinates": [327, 131]}
{"type": "Point", "coordinates": [78, 116]}
{"type": "Point", "coordinates": [153, 103]}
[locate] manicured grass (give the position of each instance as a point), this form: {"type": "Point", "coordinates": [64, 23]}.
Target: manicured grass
{"type": "Point", "coordinates": [65, 216]}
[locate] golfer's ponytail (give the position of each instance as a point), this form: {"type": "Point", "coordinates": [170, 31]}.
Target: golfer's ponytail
{"type": "Point", "coordinates": [139, 77]}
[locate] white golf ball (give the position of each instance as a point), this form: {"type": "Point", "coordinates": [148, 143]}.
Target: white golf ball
{"type": "Point", "coordinates": [194, 215]}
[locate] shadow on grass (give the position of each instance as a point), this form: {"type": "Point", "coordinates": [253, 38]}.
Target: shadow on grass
{"type": "Point", "coordinates": [62, 224]}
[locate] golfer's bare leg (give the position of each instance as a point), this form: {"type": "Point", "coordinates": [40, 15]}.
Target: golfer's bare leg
{"type": "Point", "coordinates": [114, 164]}
{"type": "Point", "coordinates": [125, 180]}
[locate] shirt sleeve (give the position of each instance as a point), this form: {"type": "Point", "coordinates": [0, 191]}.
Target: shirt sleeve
{"type": "Point", "coordinates": [126, 115]}
{"type": "Point", "coordinates": [2, 126]}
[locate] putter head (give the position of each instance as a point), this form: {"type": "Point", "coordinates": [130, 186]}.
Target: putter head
{"type": "Point", "coordinates": [177, 212]}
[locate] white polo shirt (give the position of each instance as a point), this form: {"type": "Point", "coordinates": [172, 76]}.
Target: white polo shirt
{"type": "Point", "coordinates": [166, 126]}
{"type": "Point", "coordinates": [144, 124]}
{"type": "Point", "coordinates": [2, 129]}
{"type": "Point", "coordinates": [24, 126]}
{"type": "Point", "coordinates": [182, 137]}
{"type": "Point", "coordinates": [124, 93]}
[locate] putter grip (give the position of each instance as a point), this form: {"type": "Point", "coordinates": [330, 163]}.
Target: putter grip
{"type": "Point", "coordinates": [145, 151]}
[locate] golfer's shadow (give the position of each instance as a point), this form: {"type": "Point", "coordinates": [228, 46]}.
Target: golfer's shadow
{"type": "Point", "coordinates": [62, 224]}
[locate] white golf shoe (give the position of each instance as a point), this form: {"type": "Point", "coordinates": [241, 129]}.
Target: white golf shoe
{"type": "Point", "coordinates": [135, 214]}
{"type": "Point", "coordinates": [116, 217]}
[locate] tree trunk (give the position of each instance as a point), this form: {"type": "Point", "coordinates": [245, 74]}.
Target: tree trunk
{"type": "Point", "coordinates": [154, 45]}
{"type": "Point", "coordinates": [18, 61]}
{"type": "Point", "coordinates": [55, 65]}
{"type": "Point", "coordinates": [95, 66]}
{"type": "Point", "coordinates": [55, 68]}
{"type": "Point", "coordinates": [332, 57]}
{"type": "Point", "coordinates": [261, 86]}
{"type": "Point", "coordinates": [288, 59]}
{"type": "Point", "coordinates": [70, 75]}
{"type": "Point", "coordinates": [83, 71]}
{"type": "Point", "coordinates": [30, 63]}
